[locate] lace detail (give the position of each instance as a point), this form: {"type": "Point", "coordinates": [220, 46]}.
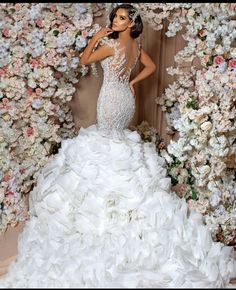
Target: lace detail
{"type": "Point", "coordinates": [116, 103]}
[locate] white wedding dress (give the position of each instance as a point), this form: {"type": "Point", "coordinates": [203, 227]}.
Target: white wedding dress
{"type": "Point", "coordinates": [103, 215]}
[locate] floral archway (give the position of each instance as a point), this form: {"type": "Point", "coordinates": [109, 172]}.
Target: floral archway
{"type": "Point", "coordinates": [39, 66]}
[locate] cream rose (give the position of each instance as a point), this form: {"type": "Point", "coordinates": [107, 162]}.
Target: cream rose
{"type": "Point", "coordinates": [206, 126]}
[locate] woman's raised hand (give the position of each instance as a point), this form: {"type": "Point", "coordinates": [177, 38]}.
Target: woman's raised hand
{"type": "Point", "coordinates": [103, 32]}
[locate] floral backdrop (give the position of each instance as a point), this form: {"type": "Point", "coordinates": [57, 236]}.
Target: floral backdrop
{"type": "Point", "coordinates": [40, 45]}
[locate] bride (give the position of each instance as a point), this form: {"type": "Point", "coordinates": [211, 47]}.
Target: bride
{"type": "Point", "coordinates": [102, 213]}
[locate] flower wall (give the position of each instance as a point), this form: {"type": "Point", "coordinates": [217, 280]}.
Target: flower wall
{"type": "Point", "coordinates": [39, 67]}
{"type": "Point", "coordinates": [200, 106]}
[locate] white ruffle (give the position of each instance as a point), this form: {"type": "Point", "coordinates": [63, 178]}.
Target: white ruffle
{"type": "Point", "coordinates": [103, 216]}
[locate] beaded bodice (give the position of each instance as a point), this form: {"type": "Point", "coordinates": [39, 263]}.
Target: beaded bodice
{"type": "Point", "coordinates": [116, 103]}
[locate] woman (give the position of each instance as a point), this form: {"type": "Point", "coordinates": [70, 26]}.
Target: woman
{"type": "Point", "coordinates": [101, 213]}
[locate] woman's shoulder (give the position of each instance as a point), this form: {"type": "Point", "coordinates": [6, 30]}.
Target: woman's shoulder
{"type": "Point", "coordinates": [108, 41]}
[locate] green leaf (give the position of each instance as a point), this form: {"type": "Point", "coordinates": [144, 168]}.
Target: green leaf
{"type": "Point", "coordinates": [56, 32]}
{"type": "Point", "coordinates": [194, 194]}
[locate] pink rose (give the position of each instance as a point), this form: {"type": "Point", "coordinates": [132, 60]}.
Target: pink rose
{"type": "Point", "coordinates": [53, 8]}
{"type": "Point", "coordinates": [232, 63]}
{"type": "Point", "coordinates": [29, 131]}
{"type": "Point", "coordinates": [22, 170]}
{"type": "Point", "coordinates": [218, 60]}
{"type": "Point", "coordinates": [30, 90]}
{"type": "Point", "coordinates": [39, 22]}
{"type": "Point", "coordinates": [84, 33]}
{"type": "Point", "coordinates": [5, 31]}
{"type": "Point", "coordinates": [34, 62]}
{"type": "Point", "coordinates": [61, 28]}
{"type": "Point", "coordinates": [9, 192]}
{"type": "Point", "coordinates": [58, 74]}
{"type": "Point", "coordinates": [18, 6]}
{"type": "Point", "coordinates": [6, 178]}
{"type": "Point", "coordinates": [2, 72]}
{"type": "Point", "coordinates": [5, 101]}
{"type": "Point", "coordinates": [202, 32]}
{"type": "Point", "coordinates": [38, 91]}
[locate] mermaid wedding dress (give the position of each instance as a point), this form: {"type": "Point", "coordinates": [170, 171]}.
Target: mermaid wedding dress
{"type": "Point", "coordinates": [103, 215]}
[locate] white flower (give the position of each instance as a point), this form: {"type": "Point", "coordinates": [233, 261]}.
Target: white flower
{"type": "Point", "coordinates": [224, 79]}
{"type": "Point", "coordinates": [204, 170]}
{"type": "Point", "coordinates": [206, 126]}
{"type": "Point", "coordinates": [209, 75]}
{"type": "Point", "coordinates": [219, 49]}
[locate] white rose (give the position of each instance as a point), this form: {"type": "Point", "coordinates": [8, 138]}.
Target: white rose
{"type": "Point", "coordinates": [209, 75]}
{"type": "Point", "coordinates": [2, 195]}
{"type": "Point", "coordinates": [233, 52]}
{"type": "Point", "coordinates": [219, 49]}
{"type": "Point", "coordinates": [206, 126]}
{"type": "Point", "coordinates": [169, 103]}
{"type": "Point", "coordinates": [32, 83]}
{"type": "Point", "coordinates": [224, 79]}
{"type": "Point", "coordinates": [204, 170]}
{"type": "Point", "coordinates": [214, 200]}
{"type": "Point", "coordinates": [191, 12]}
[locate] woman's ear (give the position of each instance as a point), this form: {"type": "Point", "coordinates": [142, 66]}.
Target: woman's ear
{"type": "Point", "coordinates": [132, 23]}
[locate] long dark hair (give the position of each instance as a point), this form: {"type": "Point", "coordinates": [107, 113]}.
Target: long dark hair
{"type": "Point", "coordinates": [136, 30]}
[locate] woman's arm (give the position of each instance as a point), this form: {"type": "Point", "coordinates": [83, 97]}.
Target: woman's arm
{"type": "Point", "coordinates": [149, 68]}
{"type": "Point", "coordinates": [88, 56]}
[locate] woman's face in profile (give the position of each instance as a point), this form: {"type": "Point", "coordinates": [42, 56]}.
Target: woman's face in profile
{"type": "Point", "coordinates": [121, 20]}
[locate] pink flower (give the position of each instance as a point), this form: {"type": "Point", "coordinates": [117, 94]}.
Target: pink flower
{"type": "Point", "coordinates": [22, 170]}
{"type": "Point", "coordinates": [18, 6]}
{"type": "Point", "coordinates": [9, 192]}
{"type": "Point", "coordinates": [2, 72]}
{"type": "Point", "coordinates": [84, 33]}
{"type": "Point", "coordinates": [6, 178]}
{"type": "Point", "coordinates": [5, 31]}
{"type": "Point", "coordinates": [61, 28]}
{"type": "Point", "coordinates": [30, 90]}
{"type": "Point", "coordinates": [201, 99]}
{"type": "Point", "coordinates": [5, 101]}
{"type": "Point", "coordinates": [218, 60]}
{"type": "Point", "coordinates": [39, 22]}
{"type": "Point", "coordinates": [29, 131]}
{"type": "Point", "coordinates": [232, 63]}
{"type": "Point", "coordinates": [38, 91]}
{"type": "Point", "coordinates": [53, 8]}
{"type": "Point", "coordinates": [58, 74]}
{"type": "Point", "coordinates": [34, 62]}
{"type": "Point", "coordinates": [202, 32]}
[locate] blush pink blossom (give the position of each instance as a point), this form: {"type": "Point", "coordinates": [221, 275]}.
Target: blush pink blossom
{"type": "Point", "coordinates": [53, 8]}
{"type": "Point", "coordinates": [39, 22]}
{"type": "Point", "coordinates": [30, 90]}
{"type": "Point", "coordinates": [5, 101]}
{"type": "Point", "coordinates": [2, 72]}
{"type": "Point", "coordinates": [218, 59]}
{"type": "Point", "coordinates": [58, 74]}
{"type": "Point", "coordinates": [202, 32]}
{"type": "Point", "coordinates": [22, 170]}
{"type": "Point", "coordinates": [84, 33]}
{"type": "Point", "coordinates": [29, 131]}
{"type": "Point", "coordinates": [9, 192]}
{"type": "Point", "coordinates": [232, 63]}
{"type": "Point", "coordinates": [34, 62]}
{"type": "Point", "coordinates": [38, 91]}
{"type": "Point", "coordinates": [6, 178]}
{"type": "Point", "coordinates": [18, 6]}
{"type": "Point", "coordinates": [61, 28]}
{"type": "Point", "coordinates": [6, 32]}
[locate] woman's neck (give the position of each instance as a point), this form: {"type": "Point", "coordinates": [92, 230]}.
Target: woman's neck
{"type": "Point", "coordinates": [125, 35]}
